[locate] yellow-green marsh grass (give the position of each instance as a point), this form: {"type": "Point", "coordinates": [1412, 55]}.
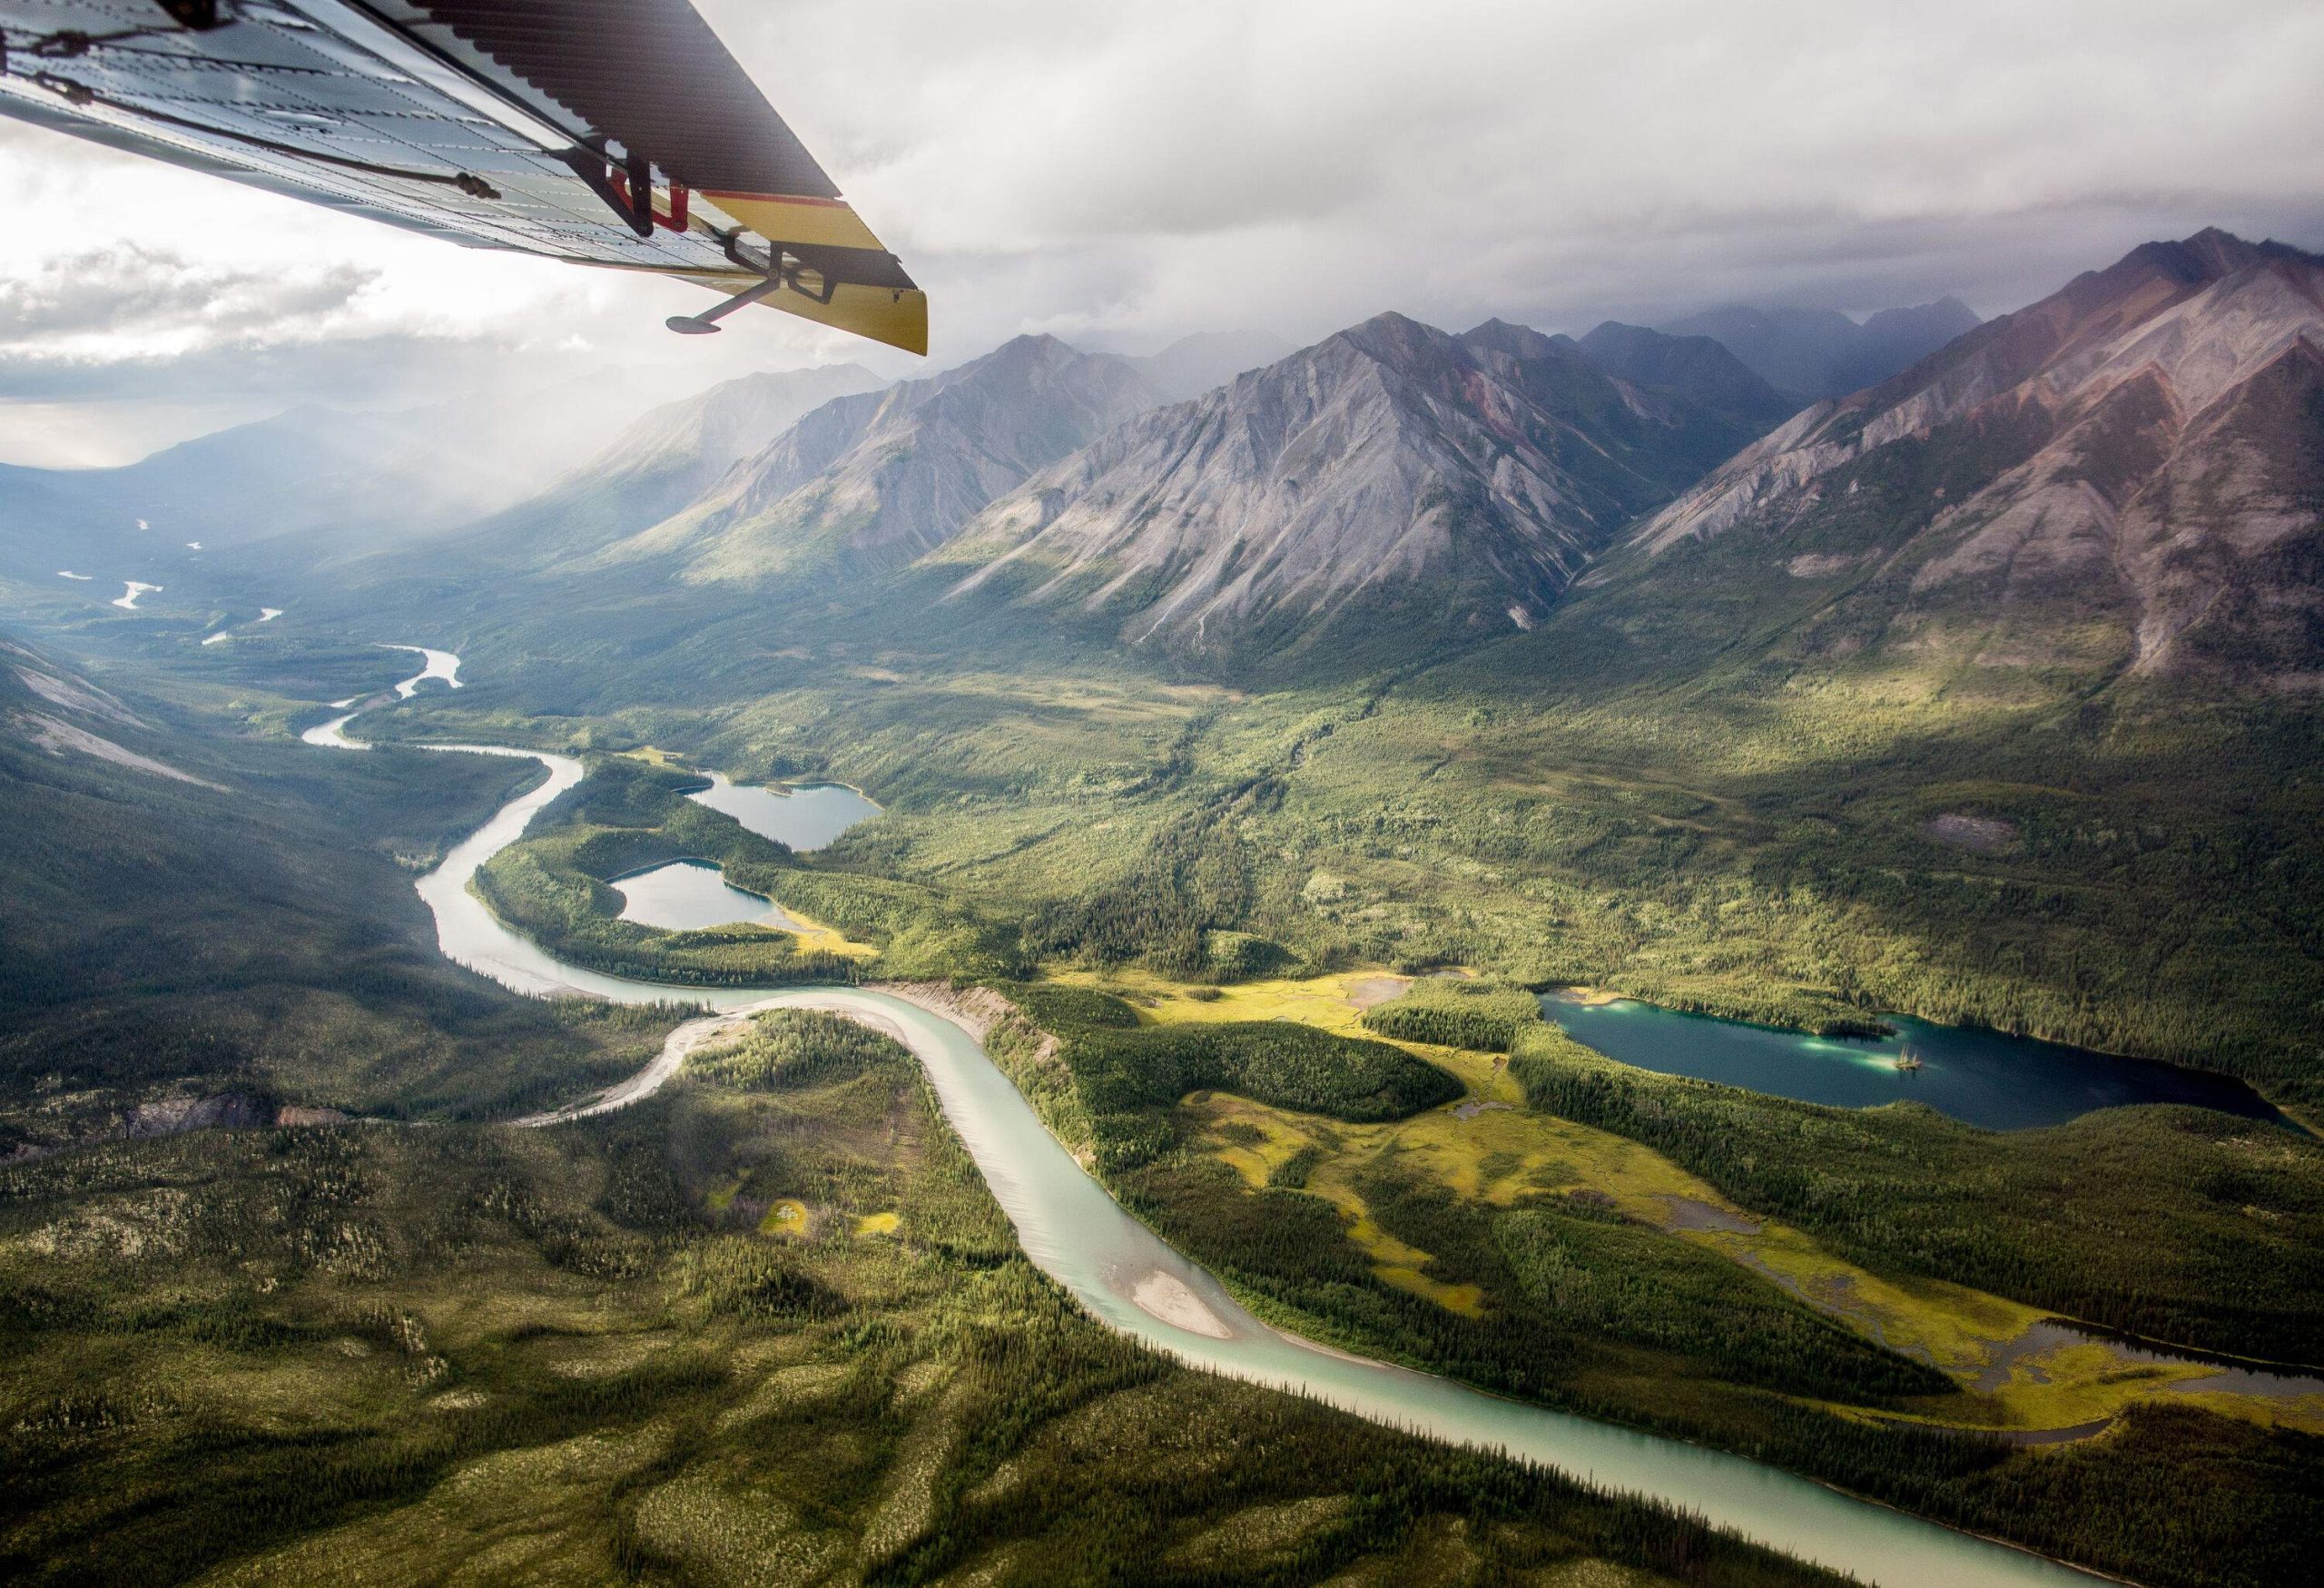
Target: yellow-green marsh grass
{"type": "Point", "coordinates": [1499, 1155]}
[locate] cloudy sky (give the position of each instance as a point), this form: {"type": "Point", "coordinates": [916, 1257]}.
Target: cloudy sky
{"type": "Point", "coordinates": [1124, 175]}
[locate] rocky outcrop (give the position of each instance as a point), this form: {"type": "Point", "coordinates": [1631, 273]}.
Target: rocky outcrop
{"type": "Point", "coordinates": [175, 1115]}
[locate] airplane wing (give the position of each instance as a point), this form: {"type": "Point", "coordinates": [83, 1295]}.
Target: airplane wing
{"type": "Point", "coordinates": [612, 133]}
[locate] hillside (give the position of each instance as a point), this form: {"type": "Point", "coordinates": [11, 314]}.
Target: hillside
{"type": "Point", "coordinates": [187, 916]}
{"type": "Point", "coordinates": [2123, 477]}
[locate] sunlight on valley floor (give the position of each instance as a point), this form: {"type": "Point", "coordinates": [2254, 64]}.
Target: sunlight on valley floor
{"type": "Point", "coordinates": [1490, 1147]}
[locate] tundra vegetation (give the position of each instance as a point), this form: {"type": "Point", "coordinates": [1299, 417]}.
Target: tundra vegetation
{"type": "Point", "coordinates": [629, 813]}
{"type": "Point", "coordinates": [1510, 1242]}
{"type": "Point", "coordinates": [1852, 1340]}
{"type": "Point", "coordinates": [770, 1321]}
{"type": "Point", "coordinates": [1540, 811]}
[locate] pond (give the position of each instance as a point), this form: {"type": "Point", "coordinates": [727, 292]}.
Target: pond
{"type": "Point", "coordinates": [687, 895]}
{"type": "Point", "coordinates": [805, 817]}
{"type": "Point", "coordinates": [1980, 1077]}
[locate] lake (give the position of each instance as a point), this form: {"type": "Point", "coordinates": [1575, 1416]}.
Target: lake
{"type": "Point", "coordinates": [807, 817]}
{"type": "Point", "coordinates": [687, 895]}
{"type": "Point", "coordinates": [1979, 1077]}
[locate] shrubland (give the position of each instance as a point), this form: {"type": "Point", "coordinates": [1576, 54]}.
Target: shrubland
{"type": "Point", "coordinates": [2178, 1224]}
{"type": "Point", "coordinates": [1554, 1295]}
{"type": "Point", "coordinates": [589, 1354]}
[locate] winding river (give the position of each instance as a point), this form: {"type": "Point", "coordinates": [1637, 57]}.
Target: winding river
{"type": "Point", "coordinates": [1124, 1274]}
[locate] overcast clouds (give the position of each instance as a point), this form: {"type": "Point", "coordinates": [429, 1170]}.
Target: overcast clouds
{"type": "Point", "coordinates": [1124, 174]}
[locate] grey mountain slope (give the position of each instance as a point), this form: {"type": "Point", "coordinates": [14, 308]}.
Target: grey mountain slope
{"type": "Point", "coordinates": [1392, 487]}
{"type": "Point", "coordinates": [871, 481]}
{"type": "Point", "coordinates": [2128, 474]}
{"type": "Point", "coordinates": [1811, 353]}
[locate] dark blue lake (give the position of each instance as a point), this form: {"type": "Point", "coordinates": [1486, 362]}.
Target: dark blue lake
{"type": "Point", "coordinates": [1984, 1078]}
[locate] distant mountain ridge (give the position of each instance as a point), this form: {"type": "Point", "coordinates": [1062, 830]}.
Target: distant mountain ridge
{"type": "Point", "coordinates": [667, 458]}
{"type": "Point", "coordinates": [1696, 366]}
{"type": "Point", "coordinates": [316, 482]}
{"type": "Point", "coordinates": [1810, 354]}
{"type": "Point", "coordinates": [869, 482]}
{"type": "Point", "coordinates": [1195, 364]}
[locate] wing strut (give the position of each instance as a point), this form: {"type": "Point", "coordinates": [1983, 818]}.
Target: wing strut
{"type": "Point", "coordinates": [702, 324]}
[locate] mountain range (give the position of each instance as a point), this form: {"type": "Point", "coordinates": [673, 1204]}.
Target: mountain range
{"type": "Point", "coordinates": [1392, 488]}
{"type": "Point", "coordinates": [1448, 486]}
{"type": "Point", "coordinates": [1809, 353]}
{"type": "Point", "coordinates": [2123, 472]}
{"type": "Point", "coordinates": [2124, 477]}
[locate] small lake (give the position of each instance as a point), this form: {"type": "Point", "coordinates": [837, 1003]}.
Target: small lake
{"type": "Point", "coordinates": [1982, 1077]}
{"type": "Point", "coordinates": [805, 817]}
{"type": "Point", "coordinates": [687, 895]}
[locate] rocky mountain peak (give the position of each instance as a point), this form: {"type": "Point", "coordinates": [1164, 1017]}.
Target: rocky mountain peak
{"type": "Point", "coordinates": [874, 481]}
{"type": "Point", "coordinates": [1518, 341]}
{"type": "Point", "coordinates": [2210, 255]}
{"type": "Point", "coordinates": [1393, 486]}
{"type": "Point", "coordinates": [2144, 449]}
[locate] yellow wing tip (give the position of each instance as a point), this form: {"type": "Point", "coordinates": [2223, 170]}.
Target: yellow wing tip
{"type": "Point", "coordinates": [895, 316]}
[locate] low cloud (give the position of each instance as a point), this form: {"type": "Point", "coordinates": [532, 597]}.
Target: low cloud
{"type": "Point", "coordinates": [1044, 163]}
{"type": "Point", "coordinates": [131, 293]}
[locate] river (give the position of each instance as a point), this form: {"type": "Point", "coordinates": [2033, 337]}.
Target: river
{"type": "Point", "coordinates": [1126, 1275]}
